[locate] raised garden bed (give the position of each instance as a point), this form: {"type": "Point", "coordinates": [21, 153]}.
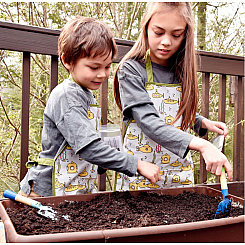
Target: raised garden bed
{"type": "Point", "coordinates": [168, 215]}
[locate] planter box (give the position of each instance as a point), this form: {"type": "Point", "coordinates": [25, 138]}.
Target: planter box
{"type": "Point", "coordinates": [219, 230]}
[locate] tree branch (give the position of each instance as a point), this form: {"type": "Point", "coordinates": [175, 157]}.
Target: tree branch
{"type": "Point", "coordinates": [124, 19]}
{"type": "Point", "coordinates": [14, 83]}
{"type": "Point", "coordinates": [195, 5]}
{"type": "Point", "coordinates": [6, 114]}
{"type": "Point", "coordinates": [12, 146]}
{"type": "Point", "coordinates": [113, 16]}
{"type": "Point", "coordinates": [135, 12]}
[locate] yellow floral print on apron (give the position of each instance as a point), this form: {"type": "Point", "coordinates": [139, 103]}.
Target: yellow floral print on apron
{"type": "Point", "coordinates": [175, 171]}
{"type": "Point", "coordinates": [74, 175]}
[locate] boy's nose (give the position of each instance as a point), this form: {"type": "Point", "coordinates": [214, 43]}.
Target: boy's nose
{"type": "Point", "coordinates": [101, 74]}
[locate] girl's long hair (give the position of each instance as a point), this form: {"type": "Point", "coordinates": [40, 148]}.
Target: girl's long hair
{"type": "Point", "coordinates": [183, 61]}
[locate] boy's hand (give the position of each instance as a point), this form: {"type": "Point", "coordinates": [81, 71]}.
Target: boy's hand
{"type": "Point", "coordinates": [216, 127]}
{"type": "Point", "coordinates": [149, 171]}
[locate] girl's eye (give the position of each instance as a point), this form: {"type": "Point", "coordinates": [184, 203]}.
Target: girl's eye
{"type": "Point", "coordinates": [158, 33]}
{"type": "Point", "coordinates": [93, 68]}
{"type": "Point", "coordinates": [178, 35]}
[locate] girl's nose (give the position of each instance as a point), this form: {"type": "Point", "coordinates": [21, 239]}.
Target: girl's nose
{"type": "Point", "coordinates": [166, 40]}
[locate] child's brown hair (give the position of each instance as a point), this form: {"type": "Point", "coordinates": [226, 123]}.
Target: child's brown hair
{"type": "Point", "coordinates": [84, 37]}
{"type": "Point", "coordinates": [183, 61]}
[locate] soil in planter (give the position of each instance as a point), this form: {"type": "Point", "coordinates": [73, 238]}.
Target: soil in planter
{"type": "Point", "coordinates": [120, 210]}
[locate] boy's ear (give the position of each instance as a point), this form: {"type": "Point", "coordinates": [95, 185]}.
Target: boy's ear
{"type": "Point", "coordinates": [65, 64]}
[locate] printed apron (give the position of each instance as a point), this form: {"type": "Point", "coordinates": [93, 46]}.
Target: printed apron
{"type": "Point", "coordinates": [71, 174]}
{"type": "Point", "coordinates": [74, 175]}
{"type": "Point", "coordinates": [175, 171]}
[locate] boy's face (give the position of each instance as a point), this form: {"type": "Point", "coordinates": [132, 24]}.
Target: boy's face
{"type": "Point", "coordinates": [91, 72]}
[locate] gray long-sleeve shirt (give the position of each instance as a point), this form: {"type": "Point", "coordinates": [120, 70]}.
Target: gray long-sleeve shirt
{"type": "Point", "coordinates": [137, 104]}
{"type": "Point", "coordinates": [65, 120]}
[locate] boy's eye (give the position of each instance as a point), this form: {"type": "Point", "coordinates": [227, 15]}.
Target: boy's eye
{"type": "Point", "coordinates": [93, 68]}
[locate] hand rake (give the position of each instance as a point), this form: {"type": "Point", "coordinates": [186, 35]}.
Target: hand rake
{"type": "Point", "coordinates": [45, 211]}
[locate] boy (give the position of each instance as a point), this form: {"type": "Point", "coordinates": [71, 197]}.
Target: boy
{"type": "Point", "coordinates": [71, 147]}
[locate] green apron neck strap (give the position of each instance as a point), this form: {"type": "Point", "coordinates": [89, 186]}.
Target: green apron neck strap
{"type": "Point", "coordinates": [149, 67]}
{"type": "Point", "coordinates": [40, 161]}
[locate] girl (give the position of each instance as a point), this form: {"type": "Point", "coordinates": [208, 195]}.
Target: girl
{"type": "Point", "coordinates": [156, 89]}
{"type": "Point", "coordinates": [71, 146]}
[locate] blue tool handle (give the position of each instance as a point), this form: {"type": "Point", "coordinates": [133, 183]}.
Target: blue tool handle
{"type": "Point", "coordinates": [10, 194]}
{"type": "Point", "coordinates": [16, 197]}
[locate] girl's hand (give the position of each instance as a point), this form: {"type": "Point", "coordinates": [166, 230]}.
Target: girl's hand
{"type": "Point", "coordinates": [214, 158]}
{"type": "Point", "coordinates": [213, 126]}
{"type": "Point", "coordinates": [149, 171]}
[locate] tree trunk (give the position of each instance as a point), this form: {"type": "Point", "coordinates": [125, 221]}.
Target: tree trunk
{"type": "Point", "coordinates": [201, 25]}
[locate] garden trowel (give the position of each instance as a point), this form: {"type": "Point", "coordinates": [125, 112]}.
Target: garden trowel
{"type": "Point", "coordinates": [224, 207]}
{"type": "Point", "coordinates": [45, 211]}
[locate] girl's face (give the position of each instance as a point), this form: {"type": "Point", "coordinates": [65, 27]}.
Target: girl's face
{"type": "Point", "coordinates": [91, 72]}
{"type": "Point", "coordinates": [166, 32]}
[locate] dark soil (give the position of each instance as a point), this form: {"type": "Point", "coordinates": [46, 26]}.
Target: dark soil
{"type": "Point", "coordinates": [120, 210]}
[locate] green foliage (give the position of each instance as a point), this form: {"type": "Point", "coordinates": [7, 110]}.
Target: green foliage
{"type": "Point", "coordinates": [213, 115]}
{"type": "Point", "coordinates": [226, 28]}
{"type": "Point", "coordinates": [224, 25]}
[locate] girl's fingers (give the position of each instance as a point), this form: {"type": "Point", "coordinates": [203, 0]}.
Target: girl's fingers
{"type": "Point", "coordinates": [229, 171]}
{"type": "Point", "coordinates": [218, 170]}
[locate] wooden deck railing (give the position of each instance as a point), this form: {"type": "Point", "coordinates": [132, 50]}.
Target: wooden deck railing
{"type": "Point", "coordinates": [29, 39]}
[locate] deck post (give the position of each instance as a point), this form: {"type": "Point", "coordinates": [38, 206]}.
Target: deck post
{"type": "Point", "coordinates": [25, 113]}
